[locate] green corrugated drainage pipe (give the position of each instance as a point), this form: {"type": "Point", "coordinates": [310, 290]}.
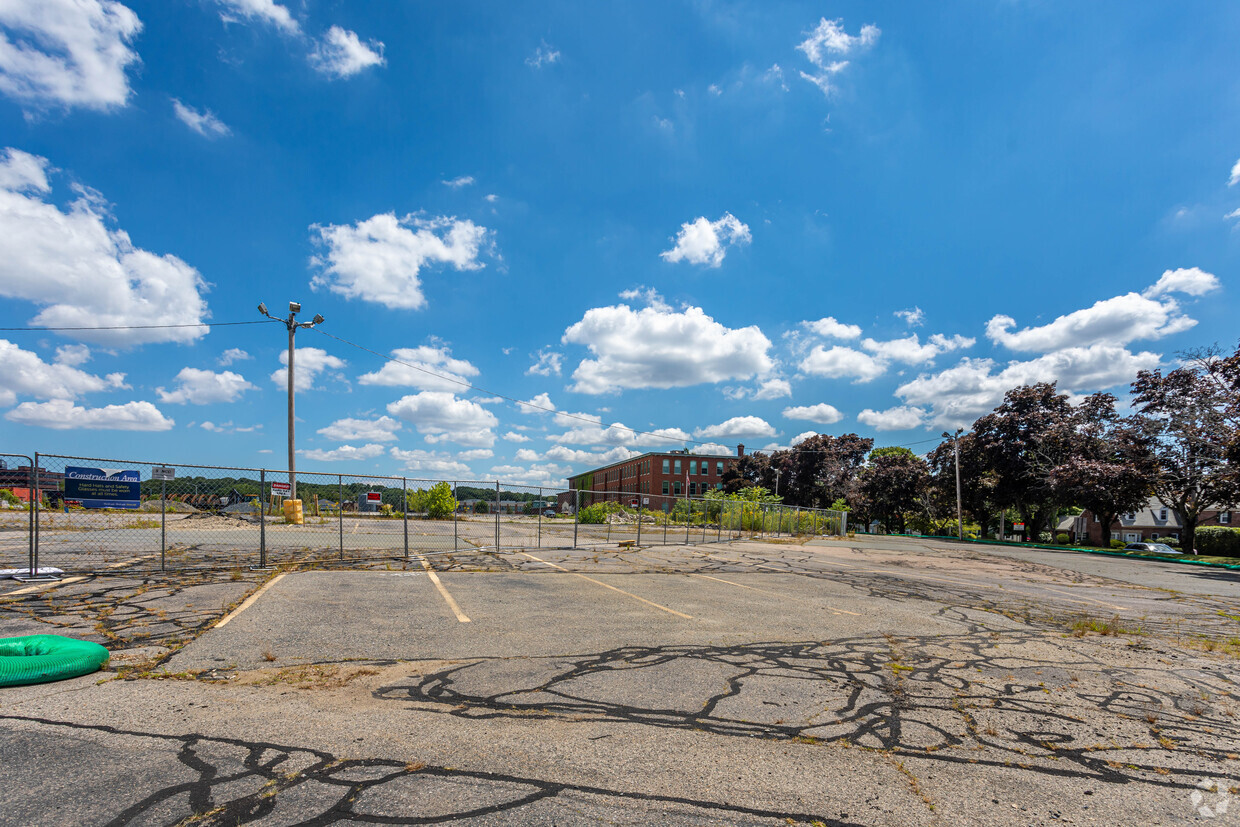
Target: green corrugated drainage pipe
{"type": "Point", "coordinates": [46, 658]}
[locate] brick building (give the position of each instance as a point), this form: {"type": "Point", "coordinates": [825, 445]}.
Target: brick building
{"type": "Point", "coordinates": [657, 478]}
{"type": "Point", "coordinates": [1152, 522]}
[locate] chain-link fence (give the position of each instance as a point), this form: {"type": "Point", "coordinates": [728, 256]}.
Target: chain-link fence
{"type": "Point", "coordinates": [85, 514]}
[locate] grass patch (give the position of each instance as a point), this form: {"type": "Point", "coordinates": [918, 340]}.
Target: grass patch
{"type": "Point", "coordinates": [1083, 626]}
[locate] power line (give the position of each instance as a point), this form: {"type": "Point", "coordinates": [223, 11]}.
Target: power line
{"type": "Point", "coordinates": [593, 421]}
{"type": "Point", "coordinates": [130, 326]}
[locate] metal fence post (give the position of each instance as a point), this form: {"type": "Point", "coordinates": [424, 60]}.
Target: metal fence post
{"type": "Point", "coordinates": [497, 515]}
{"type": "Point", "coordinates": [456, 489]}
{"type": "Point", "coordinates": [340, 512]}
{"type": "Point", "coordinates": [665, 515]}
{"type": "Point", "coordinates": [35, 496]}
{"type": "Point", "coordinates": [30, 516]}
{"type": "Point", "coordinates": [163, 525]}
{"type": "Point", "coordinates": [638, 544]}
{"type": "Point", "coordinates": [688, 518]}
{"type": "Point", "coordinates": [719, 533]}
{"type": "Point", "coordinates": [576, 513]}
{"type": "Point", "coordinates": [404, 487]}
{"type": "Point", "coordinates": [796, 527]}
{"type": "Point", "coordinates": [262, 519]}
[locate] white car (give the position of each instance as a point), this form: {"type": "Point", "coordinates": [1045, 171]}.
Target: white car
{"type": "Point", "coordinates": [1157, 548]}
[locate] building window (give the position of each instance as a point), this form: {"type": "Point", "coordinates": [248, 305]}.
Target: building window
{"type": "Point", "coordinates": [677, 488]}
{"type": "Point", "coordinates": [693, 467]}
{"type": "Point", "coordinates": [1224, 517]}
{"type": "Point", "coordinates": [693, 489]}
{"type": "Point", "coordinates": [677, 466]}
{"type": "Point", "coordinates": [719, 468]}
{"type": "Point", "coordinates": [666, 463]}
{"type": "Point", "coordinates": [1162, 514]}
{"type": "Point", "coordinates": [665, 483]}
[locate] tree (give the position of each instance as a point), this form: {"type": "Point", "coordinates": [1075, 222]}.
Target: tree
{"type": "Point", "coordinates": [821, 469]}
{"type": "Point", "coordinates": [1185, 422]}
{"type": "Point", "coordinates": [439, 502]}
{"type": "Point", "coordinates": [890, 483]}
{"type": "Point", "coordinates": [1111, 468]}
{"type": "Point", "coordinates": [977, 485]}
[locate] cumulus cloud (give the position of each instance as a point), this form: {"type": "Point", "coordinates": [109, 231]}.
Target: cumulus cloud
{"type": "Point", "coordinates": [379, 259]}
{"type": "Point", "coordinates": [839, 362]}
{"type": "Point", "coordinates": [83, 273]}
{"type": "Point", "coordinates": [822, 413]}
{"type": "Point", "coordinates": [549, 363]}
{"type": "Point", "coordinates": [591, 431]}
{"type": "Point", "coordinates": [72, 355]}
{"type": "Point", "coordinates": [457, 183]}
{"type": "Point", "coordinates": [513, 436]}
{"type": "Point", "coordinates": [342, 54]}
{"type": "Point", "coordinates": [773, 389]}
{"type": "Point", "coordinates": [537, 404]}
{"type": "Point", "coordinates": [911, 351]}
{"type": "Point", "coordinates": [828, 327]}
{"type": "Point", "coordinates": [205, 123]}
{"type": "Point", "coordinates": [428, 368]}
{"type": "Point", "coordinates": [26, 374]}
{"type": "Point", "coordinates": [1191, 281]}
{"type": "Point", "coordinates": [544, 55]}
{"type": "Point", "coordinates": [913, 318]}
{"type": "Point", "coordinates": [205, 387]}
{"type": "Point", "coordinates": [442, 417]}
{"type": "Point", "coordinates": [1235, 175]}
{"type": "Point", "coordinates": [63, 415]}
{"type": "Point", "coordinates": [656, 347]}
{"type": "Point", "coordinates": [311, 361]}
{"type": "Point", "coordinates": [738, 427]}
{"type": "Point", "coordinates": [959, 395]}
{"type": "Point", "coordinates": [382, 429]}
{"type": "Point", "coordinates": [1115, 321]}
{"type": "Point", "coordinates": [560, 453]}
{"type": "Point", "coordinates": [899, 418]}
{"type": "Point", "coordinates": [67, 53]}
{"type": "Point", "coordinates": [438, 464]}
{"type": "Point", "coordinates": [264, 11]}
{"type": "Point", "coordinates": [233, 354]}
{"type": "Point", "coordinates": [827, 44]}
{"type": "Point", "coordinates": [229, 428]}
{"type": "Point", "coordinates": [705, 242]}
{"type": "Point", "coordinates": [342, 454]}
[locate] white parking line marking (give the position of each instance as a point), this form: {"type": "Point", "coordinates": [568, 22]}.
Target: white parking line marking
{"type": "Point", "coordinates": [456, 610]}
{"type": "Point", "coordinates": [605, 586]}
{"type": "Point", "coordinates": [249, 601]}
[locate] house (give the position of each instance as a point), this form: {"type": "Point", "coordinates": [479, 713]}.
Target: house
{"type": "Point", "coordinates": [1153, 521]}
{"type": "Point", "coordinates": [653, 479]}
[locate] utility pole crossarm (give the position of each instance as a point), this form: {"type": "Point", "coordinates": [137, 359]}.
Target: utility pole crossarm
{"type": "Point", "coordinates": [292, 324]}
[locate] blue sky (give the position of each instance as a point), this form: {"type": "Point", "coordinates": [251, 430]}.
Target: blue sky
{"type": "Point", "coordinates": [706, 222]}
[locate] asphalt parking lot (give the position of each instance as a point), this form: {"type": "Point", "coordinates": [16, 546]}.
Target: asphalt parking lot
{"type": "Point", "coordinates": [879, 681]}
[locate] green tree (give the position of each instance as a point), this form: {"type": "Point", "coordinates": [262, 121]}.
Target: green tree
{"type": "Point", "coordinates": [439, 502]}
{"type": "Point", "coordinates": [890, 484]}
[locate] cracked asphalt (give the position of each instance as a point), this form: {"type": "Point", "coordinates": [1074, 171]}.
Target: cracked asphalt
{"type": "Point", "coordinates": [867, 681]}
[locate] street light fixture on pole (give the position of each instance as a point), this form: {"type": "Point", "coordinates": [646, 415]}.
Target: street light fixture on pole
{"type": "Point", "coordinates": [956, 447]}
{"type": "Point", "coordinates": [292, 324]}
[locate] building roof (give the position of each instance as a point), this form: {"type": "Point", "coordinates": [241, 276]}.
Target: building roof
{"type": "Point", "coordinates": [649, 454]}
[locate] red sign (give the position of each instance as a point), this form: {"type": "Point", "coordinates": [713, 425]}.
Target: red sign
{"type": "Point", "coordinates": [373, 496]}
{"type": "Point", "coordinates": [281, 488]}
{"type": "Point", "coordinates": [1018, 526]}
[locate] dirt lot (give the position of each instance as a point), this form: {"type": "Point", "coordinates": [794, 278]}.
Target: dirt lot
{"type": "Point", "coordinates": [883, 682]}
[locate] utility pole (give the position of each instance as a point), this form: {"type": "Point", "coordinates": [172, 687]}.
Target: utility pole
{"type": "Point", "coordinates": [292, 324]}
{"type": "Point", "coordinates": [956, 448]}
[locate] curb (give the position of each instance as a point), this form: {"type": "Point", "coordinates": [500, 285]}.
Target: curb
{"type": "Point", "coordinates": [1206, 563]}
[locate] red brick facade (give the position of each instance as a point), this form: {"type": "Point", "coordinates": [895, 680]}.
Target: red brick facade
{"type": "Point", "coordinates": [660, 477]}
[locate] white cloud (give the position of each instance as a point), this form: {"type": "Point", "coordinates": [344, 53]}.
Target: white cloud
{"type": "Point", "coordinates": [774, 389]}
{"type": "Point", "coordinates": [379, 259]}
{"type": "Point", "coordinates": [72, 355]}
{"type": "Point", "coordinates": [1192, 281]}
{"type": "Point", "coordinates": [704, 242]}
{"type": "Point", "coordinates": [549, 363]}
{"type": "Point", "coordinates": [311, 361]}
{"type": "Point", "coordinates": [265, 11]}
{"type": "Point", "coordinates": [26, 374]}
{"type": "Point", "coordinates": [538, 404]}
{"type": "Point", "coordinates": [595, 458]}
{"type": "Point", "coordinates": [476, 453]}
{"type": "Point", "coordinates": [911, 351]}
{"type": "Point", "coordinates": [343, 454]}
{"type": "Point", "coordinates": [382, 429]}
{"type": "Point", "coordinates": [593, 432]}
{"type": "Point", "coordinates": [839, 362]}
{"type": "Point", "coordinates": [656, 347]}
{"type": "Point", "coordinates": [67, 52]}
{"type": "Point", "coordinates": [544, 55]}
{"type": "Point", "coordinates": [233, 354]}
{"type": "Point", "coordinates": [342, 54]}
{"type": "Point", "coordinates": [63, 415]}
{"type": "Point", "coordinates": [438, 463]}
{"type": "Point", "coordinates": [205, 387]}
{"type": "Point", "coordinates": [900, 418]}
{"type": "Point", "coordinates": [1233, 214]}
{"type": "Point", "coordinates": [960, 394]}
{"type": "Point", "coordinates": [914, 318]}
{"type": "Point", "coordinates": [1115, 321]}
{"type": "Point", "coordinates": [822, 413]}
{"type": "Point", "coordinates": [457, 183]}
{"type": "Point", "coordinates": [829, 41]}
{"type": "Point", "coordinates": [714, 449]}
{"type": "Point", "coordinates": [513, 436]}
{"type": "Point", "coordinates": [738, 427]}
{"type": "Point", "coordinates": [428, 368]}
{"type": "Point", "coordinates": [229, 428]}
{"type": "Point", "coordinates": [830, 328]}
{"type": "Point", "coordinates": [83, 273]}
{"type": "Point", "coordinates": [205, 123]}
{"type": "Point", "coordinates": [441, 417]}
{"type": "Point", "coordinates": [1235, 175]}
{"type": "Point", "coordinates": [548, 475]}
